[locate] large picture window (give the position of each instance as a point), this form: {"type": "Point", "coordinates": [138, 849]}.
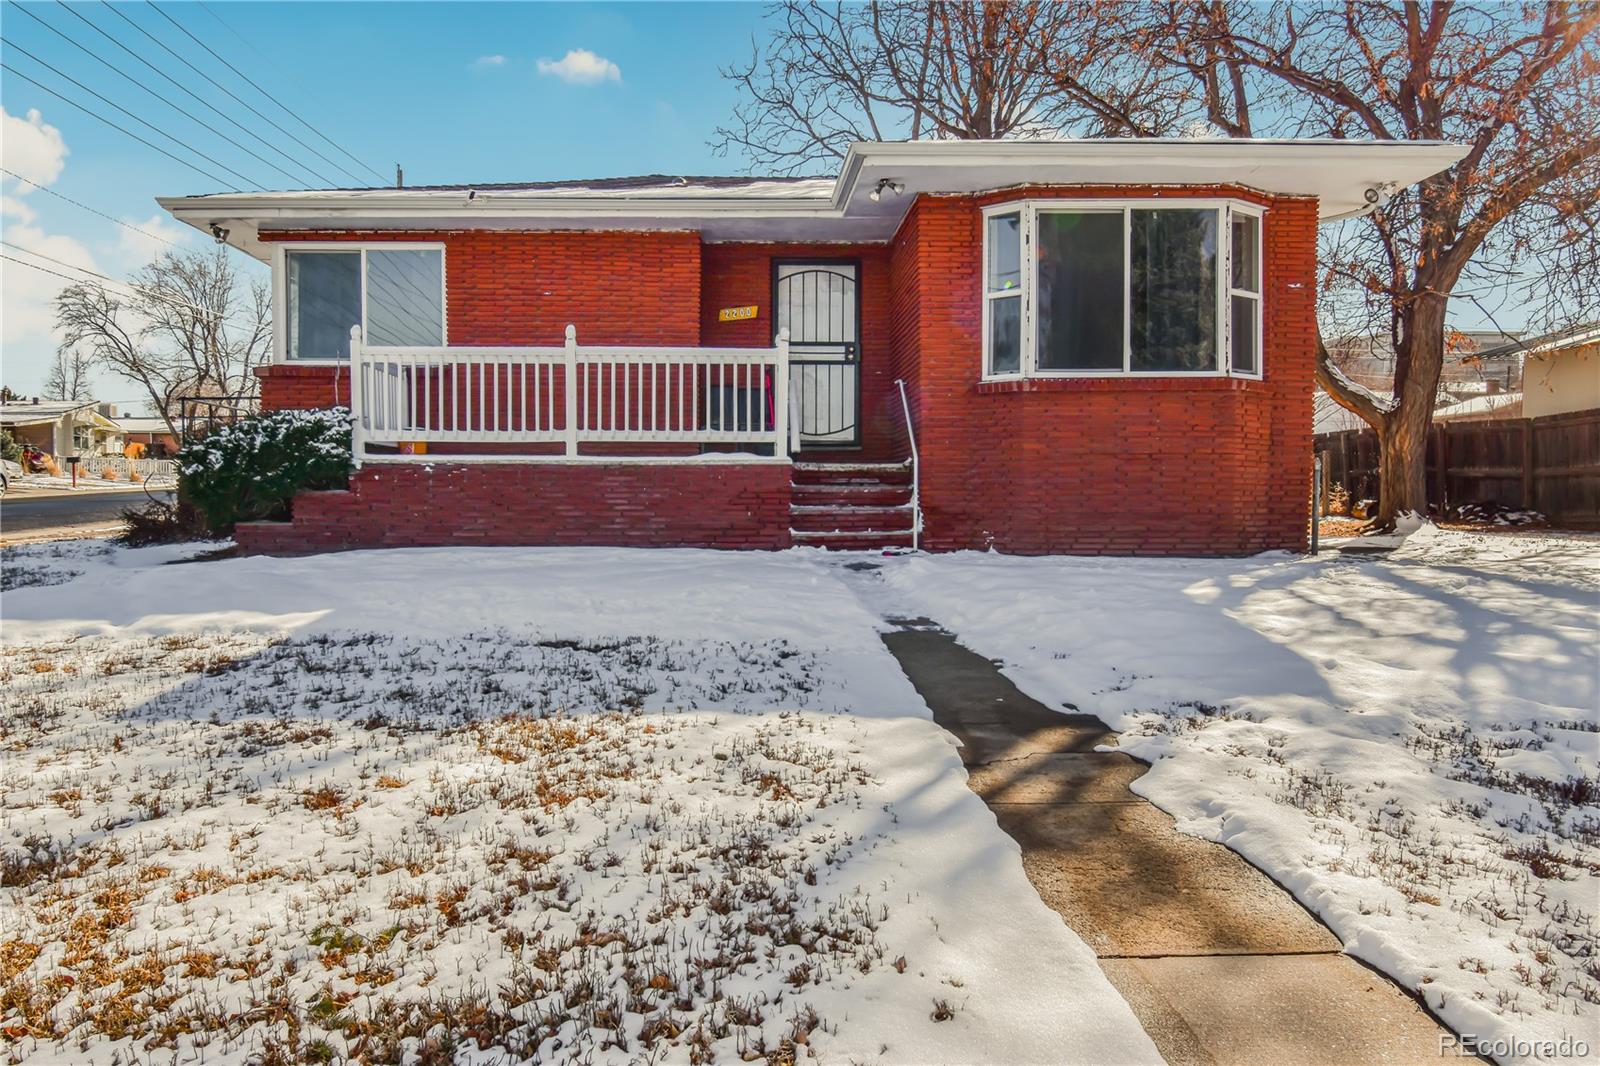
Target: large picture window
{"type": "Point", "coordinates": [395, 292]}
{"type": "Point", "coordinates": [1108, 287]}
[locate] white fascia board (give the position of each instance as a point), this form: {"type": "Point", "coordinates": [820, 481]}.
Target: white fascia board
{"type": "Point", "coordinates": [1337, 172]}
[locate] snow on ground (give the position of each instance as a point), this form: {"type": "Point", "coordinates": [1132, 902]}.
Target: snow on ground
{"type": "Point", "coordinates": [1408, 742]}
{"type": "Point", "coordinates": [586, 804]}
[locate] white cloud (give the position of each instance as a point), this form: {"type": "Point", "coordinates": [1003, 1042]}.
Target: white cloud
{"type": "Point", "coordinates": [581, 67]}
{"type": "Point", "coordinates": [29, 293]}
{"type": "Point", "coordinates": [35, 149]}
{"type": "Point", "coordinates": [31, 147]}
{"type": "Point", "coordinates": [489, 62]}
{"type": "Point", "coordinates": [138, 248]}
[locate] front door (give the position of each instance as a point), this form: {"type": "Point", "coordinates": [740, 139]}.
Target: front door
{"type": "Point", "coordinates": [816, 301]}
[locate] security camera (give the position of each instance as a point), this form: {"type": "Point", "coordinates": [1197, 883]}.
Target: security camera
{"type": "Point", "coordinates": [219, 232]}
{"type": "Point", "coordinates": [1371, 195]}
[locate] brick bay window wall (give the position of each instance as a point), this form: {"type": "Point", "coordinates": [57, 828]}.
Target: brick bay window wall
{"type": "Point", "coordinates": [1114, 370]}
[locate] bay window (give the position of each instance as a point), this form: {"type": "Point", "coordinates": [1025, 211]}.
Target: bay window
{"type": "Point", "coordinates": [1135, 287]}
{"type": "Point", "coordinates": [394, 291]}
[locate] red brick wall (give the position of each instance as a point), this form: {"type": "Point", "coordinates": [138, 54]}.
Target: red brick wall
{"type": "Point", "coordinates": [523, 288]}
{"type": "Point", "coordinates": [1116, 466]}
{"type": "Point", "coordinates": [735, 275]}
{"type": "Point", "coordinates": [707, 505]}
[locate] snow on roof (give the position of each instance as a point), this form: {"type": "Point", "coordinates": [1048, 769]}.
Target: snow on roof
{"type": "Point", "coordinates": [1508, 403]}
{"type": "Point", "coordinates": [24, 414]}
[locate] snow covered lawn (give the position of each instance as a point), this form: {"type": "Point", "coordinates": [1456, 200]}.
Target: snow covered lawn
{"type": "Point", "coordinates": [1407, 742]}
{"type": "Point", "coordinates": [484, 804]}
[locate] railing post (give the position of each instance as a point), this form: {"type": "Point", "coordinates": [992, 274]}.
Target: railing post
{"type": "Point", "coordinates": [358, 410]}
{"type": "Point", "coordinates": [781, 400]}
{"type": "Point", "coordinates": [571, 390]}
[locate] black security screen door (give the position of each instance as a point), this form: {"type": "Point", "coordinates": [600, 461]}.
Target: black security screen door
{"type": "Point", "coordinates": [816, 302]}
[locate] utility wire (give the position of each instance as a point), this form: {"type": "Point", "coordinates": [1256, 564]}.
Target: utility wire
{"type": "Point", "coordinates": [140, 289]}
{"type": "Point", "coordinates": [94, 114]}
{"type": "Point", "coordinates": [86, 207]}
{"type": "Point", "coordinates": [268, 95]}
{"type": "Point", "coordinates": [194, 118]}
{"type": "Point", "coordinates": [175, 140]}
{"type": "Point", "coordinates": [223, 88]}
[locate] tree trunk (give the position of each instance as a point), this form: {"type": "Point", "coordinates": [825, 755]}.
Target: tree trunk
{"type": "Point", "coordinates": [1403, 440]}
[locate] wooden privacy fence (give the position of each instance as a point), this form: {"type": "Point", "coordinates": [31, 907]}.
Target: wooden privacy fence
{"type": "Point", "coordinates": [1549, 464]}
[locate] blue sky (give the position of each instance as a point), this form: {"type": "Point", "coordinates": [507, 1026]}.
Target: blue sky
{"type": "Point", "coordinates": [453, 92]}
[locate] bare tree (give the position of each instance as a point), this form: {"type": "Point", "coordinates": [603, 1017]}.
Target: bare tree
{"type": "Point", "coordinates": [1517, 217]}
{"type": "Point", "coordinates": [68, 377]}
{"type": "Point", "coordinates": [832, 74]}
{"type": "Point", "coordinates": [190, 328]}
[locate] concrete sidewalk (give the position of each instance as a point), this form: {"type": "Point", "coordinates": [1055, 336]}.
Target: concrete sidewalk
{"type": "Point", "coordinates": [1220, 964]}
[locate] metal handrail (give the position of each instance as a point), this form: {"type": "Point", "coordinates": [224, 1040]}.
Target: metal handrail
{"type": "Point", "coordinates": [916, 469]}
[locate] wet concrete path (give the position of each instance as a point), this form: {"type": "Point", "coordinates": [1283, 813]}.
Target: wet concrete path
{"type": "Point", "coordinates": [1220, 964]}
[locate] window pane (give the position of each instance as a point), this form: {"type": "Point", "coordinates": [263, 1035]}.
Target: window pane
{"type": "Point", "coordinates": [324, 302]}
{"type": "Point", "coordinates": [405, 299]}
{"type": "Point", "coordinates": [1246, 252]}
{"type": "Point", "coordinates": [1005, 252]}
{"type": "Point", "coordinates": [1173, 306]}
{"type": "Point", "coordinates": [1005, 335]}
{"type": "Point", "coordinates": [1245, 343]}
{"type": "Point", "coordinates": [1079, 298]}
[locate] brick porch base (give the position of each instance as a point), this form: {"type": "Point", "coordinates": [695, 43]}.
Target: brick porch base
{"type": "Point", "coordinates": [634, 504]}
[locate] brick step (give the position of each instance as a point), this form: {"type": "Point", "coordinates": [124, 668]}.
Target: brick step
{"type": "Point", "coordinates": [858, 474]}
{"type": "Point", "coordinates": [873, 468]}
{"type": "Point", "coordinates": [845, 480]}
{"type": "Point", "coordinates": [849, 495]}
{"type": "Point", "coordinates": [855, 540]}
{"type": "Point", "coordinates": [823, 519]}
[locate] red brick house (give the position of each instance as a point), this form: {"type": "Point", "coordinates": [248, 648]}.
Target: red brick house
{"type": "Point", "coordinates": [1052, 346]}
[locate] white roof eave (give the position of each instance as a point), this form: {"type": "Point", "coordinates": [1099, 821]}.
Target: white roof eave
{"type": "Point", "coordinates": [1337, 173]}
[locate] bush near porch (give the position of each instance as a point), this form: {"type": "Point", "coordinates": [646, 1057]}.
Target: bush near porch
{"type": "Point", "coordinates": [251, 470]}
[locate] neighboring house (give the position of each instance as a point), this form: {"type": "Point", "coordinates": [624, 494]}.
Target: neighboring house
{"type": "Point", "coordinates": [1561, 371]}
{"type": "Point", "coordinates": [63, 427]}
{"type": "Point", "coordinates": [151, 432]}
{"type": "Point", "coordinates": [1475, 362]}
{"type": "Point", "coordinates": [1103, 346]}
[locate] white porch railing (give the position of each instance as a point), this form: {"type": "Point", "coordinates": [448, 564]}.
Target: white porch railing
{"type": "Point", "coordinates": [569, 395]}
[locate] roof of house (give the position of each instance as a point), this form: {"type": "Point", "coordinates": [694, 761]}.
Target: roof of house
{"type": "Point", "coordinates": [30, 413]}
{"type": "Point", "coordinates": [865, 201]}
{"type": "Point", "coordinates": [1561, 340]}
{"type": "Point", "coordinates": [144, 424]}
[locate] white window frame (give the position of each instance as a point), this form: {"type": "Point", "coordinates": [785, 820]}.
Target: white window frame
{"type": "Point", "coordinates": [1019, 293]}
{"type": "Point", "coordinates": [1030, 210]}
{"type": "Point", "coordinates": [280, 288]}
{"type": "Point", "coordinates": [1255, 212]}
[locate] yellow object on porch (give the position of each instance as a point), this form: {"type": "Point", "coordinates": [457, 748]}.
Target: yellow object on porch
{"type": "Point", "coordinates": [413, 447]}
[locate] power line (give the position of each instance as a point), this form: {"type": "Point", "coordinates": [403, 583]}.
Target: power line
{"type": "Point", "coordinates": [223, 88]}
{"type": "Point", "coordinates": [130, 114]}
{"type": "Point", "coordinates": [129, 77]}
{"type": "Point", "coordinates": [144, 290]}
{"type": "Point", "coordinates": [86, 207]}
{"type": "Point", "coordinates": [94, 114]}
{"type": "Point", "coordinates": [268, 95]}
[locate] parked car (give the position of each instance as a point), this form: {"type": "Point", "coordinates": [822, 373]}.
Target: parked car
{"type": "Point", "coordinates": [8, 471]}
